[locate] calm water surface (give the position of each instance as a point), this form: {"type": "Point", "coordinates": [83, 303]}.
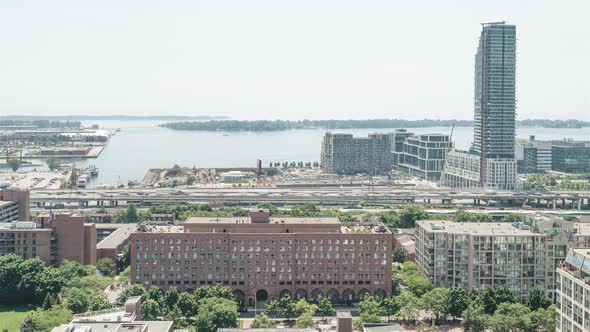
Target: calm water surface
{"type": "Point", "coordinates": [141, 145]}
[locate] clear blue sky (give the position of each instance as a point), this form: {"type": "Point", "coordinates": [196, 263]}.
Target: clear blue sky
{"type": "Point", "coordinates": [284, 59]}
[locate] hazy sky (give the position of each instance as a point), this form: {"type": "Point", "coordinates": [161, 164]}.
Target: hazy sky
{"type": "Point", "coordinates": [272, 59]}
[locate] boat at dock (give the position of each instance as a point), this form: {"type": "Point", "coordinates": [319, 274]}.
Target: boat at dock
{"type": "Point", "coordinates": [93, 171]}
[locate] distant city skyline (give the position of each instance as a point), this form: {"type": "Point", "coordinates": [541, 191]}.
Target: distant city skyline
{"type": "Point", "coordinates": [277, 60]}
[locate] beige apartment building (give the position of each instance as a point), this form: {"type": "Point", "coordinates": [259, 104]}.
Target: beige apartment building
{"type": "Point", "coordinates": [573, 292]}
{"type": "Point", "coordinates": [262, 258]}
{"type": "Point", "coordinates": [476, 255]}
{"type": "Point", "coordinates": [519, 256]}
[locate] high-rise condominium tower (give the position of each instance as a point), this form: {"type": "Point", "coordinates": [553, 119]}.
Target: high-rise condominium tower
{"type": "Point", "coordinates": [491, 161]}
{"type": "Point", "coordinates": [495, 104]}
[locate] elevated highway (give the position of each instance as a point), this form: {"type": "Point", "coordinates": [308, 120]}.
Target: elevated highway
{"type": "Point", "coordinates": [323, 196]}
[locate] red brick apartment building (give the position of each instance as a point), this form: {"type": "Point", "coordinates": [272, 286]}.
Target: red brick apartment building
{"type": "Point", "coordinates": [64, 236]}
{"type": "Point", "coordinates": [262, 258]}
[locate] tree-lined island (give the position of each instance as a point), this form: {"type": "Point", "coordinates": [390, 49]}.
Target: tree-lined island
{"type": "Point", "coordinates": [279, 125]}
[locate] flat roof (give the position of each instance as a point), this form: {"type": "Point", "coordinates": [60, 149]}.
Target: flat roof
{"type": "Point", "coordinates": [152, 326]}
{"type": "Point", "coordinates": [116, 238]}
{"type": "Point", "coordinates": [267, 330]}
{"type": "Point", "coordinates": [4, 203]}
{"type": "Point", "coordinates": [27, 226]}
{"type": "Point", "coordinates": [113, 226]}
{"type": "Point", "coordinates": [474, 228]}
{"type": "Point", "coordinates": [144, 228]}
{"type": "Point", "coordinates": [273, 220]}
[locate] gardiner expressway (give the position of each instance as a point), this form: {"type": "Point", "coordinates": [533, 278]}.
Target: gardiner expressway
{"type": "Point", "coordinates": [323, 196]}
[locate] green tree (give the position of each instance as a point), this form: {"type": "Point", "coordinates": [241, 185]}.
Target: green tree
{"type": "Point", "coordinates": [511, 317]}
{"type": "Point", "coordinates": [543, 320]}
{"type": "Point", "coordinates": [418, 284]}
{"type": "Point", "coordinates": [371, 305]}
{"type": "Point", "coordinates": [215, 313]}
{"type": "Point", "coordinates": [513, 218]}
{"type": "Point", "coordinates": [52, 281]}
{"type": "Point", "coordinates": [390, 307]}
{"type": "Point", "coordinates": [98, 301]}
{"type": "Point", "coordinates": [302, 306]}
{"type": "Point", "coordinates": [436, 302]}
{"type": "Point", "coordinates": [143, 215]}
{"type": "Point", "coordinates": [410, 214]}
{"type": "Point", "coordinates": [325, 307]}
{"type": "Point", "coordinates": [46, 320]}
{"type": "Point", "coordinates": [171, 297]}
{"type": "Point", "coordinates": [465, 216]}
{"type": "Point", "coordinates": [190, 180]}
{"type": "Point", "coordinates": [399, 255]}
{"type": "Point", "coordinates": [272, 209]}
{"type": "Point", "coordinates": [76, 300]}
{"type": "Point", "coordinates": [537, 298]}
{"type": "Point", "coordinates": [126, 259]}
{"type": "Point", "coordinates": [130, 291]}
{"type": "Point", "coordinates": [262, 321]}
{"type": "Point", "coordinates": [474, 318]}
{"type": "Point", "coordinates": [283, 307]}
{"type": "Point", "coordinates": [154, 293]}
{"type": "Point", "coordinates": [493, 297]}
{"type": "Point", "coordinates": [458, 301]}
{"type": "Point", "coordinates": [48, 302]}
{"type": "Point", "coordinates": [150, 309]}
{"type": "Point", "coordinates": [106, 266]}
{"type": "Point", "coordinates": [187, 304]}
{"type": "Point", "coordinates": [53, 163]}
{"type": "Point", "coordinates": [14, 164]}
{"type": "Point", "coordinates": [131, 213]}
{"type": "Point", "coordinates": [304, 321]}
{"type": "Point", "coordinates": [409, 306]}
{"type": "Point", "coordinates": [119, 217]}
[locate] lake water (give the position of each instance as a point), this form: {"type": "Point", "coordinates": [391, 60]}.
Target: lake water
{"type": "Point", "coordinates": [141, 145]}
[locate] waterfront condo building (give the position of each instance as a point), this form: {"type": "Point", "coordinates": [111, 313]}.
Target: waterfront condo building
{"type": "Point", "coordinates": [345, 154]}
{"type": "Point", "coordinates": [424, 155]}
{"type": "Point", "coordinates": [573, 292]}
{"type": "Point", "coordinates": [494, 112]}
{"type": "Point", "coordinates": [533, 156]}
{"type": "Point", "coordinates": [570, 156]}
{"type": "Point", "coordinates": [262, 258]}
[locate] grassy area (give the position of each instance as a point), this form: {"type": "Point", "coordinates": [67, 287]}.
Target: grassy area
{"type": "Point", "coordinates": [11, 317]}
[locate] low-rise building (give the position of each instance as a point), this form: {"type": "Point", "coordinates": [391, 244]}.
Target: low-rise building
{"type": "Point", "coordinates": [404, 239]}
{"type": "Point", "coordinates": [573, 292]}
{"type": "Point", "coordinates": [533, 156]}
{"type": "Point", "coordinates": [125, 319]}
{"type": "Point", "coordinates": [570, 156]}
{"type": "Point", "coordinates": [53, 238]}
{"type": "Point", "coordinates": [263, 258]}
{"type": "Point", "coordinates": [26, 240]}
{"type": "Point", "coordinates": [112, 239]}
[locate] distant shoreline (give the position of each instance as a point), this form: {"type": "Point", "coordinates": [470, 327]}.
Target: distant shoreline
{"type": "Point", "coordinates": [284, 125]}
{"type": "Point", "coordinates": [114, 117]}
